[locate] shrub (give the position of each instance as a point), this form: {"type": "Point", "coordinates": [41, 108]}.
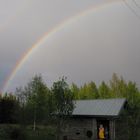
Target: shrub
{"type": "Point", "coordinates": [12, 132]}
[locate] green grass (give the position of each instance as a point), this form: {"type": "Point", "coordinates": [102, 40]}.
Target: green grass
{"type": "Point", "coordinates": [16, 132]}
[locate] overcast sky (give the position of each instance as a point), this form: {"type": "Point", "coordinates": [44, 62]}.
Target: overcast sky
{"type": "Point", "coordinates": [90, 48]}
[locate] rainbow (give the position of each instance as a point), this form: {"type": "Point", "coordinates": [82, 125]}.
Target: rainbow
{"type": "Point", "coordinates": [49, 34]}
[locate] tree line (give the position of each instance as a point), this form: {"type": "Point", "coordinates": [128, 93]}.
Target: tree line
{"type": "Point", "coordinates": [37, 104]}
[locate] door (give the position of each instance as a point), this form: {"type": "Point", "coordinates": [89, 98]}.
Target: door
{"type": "Point", "coordinates": [105, 124]}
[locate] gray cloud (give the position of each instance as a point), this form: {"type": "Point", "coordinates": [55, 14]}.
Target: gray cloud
{"type": "Point", "coordinates": [23, 22]}
{"type": "Point", "coordinates": [91, 48]}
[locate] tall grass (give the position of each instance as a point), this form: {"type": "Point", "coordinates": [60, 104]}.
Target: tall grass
{"type": "Point", "coordinates": [16, 132]}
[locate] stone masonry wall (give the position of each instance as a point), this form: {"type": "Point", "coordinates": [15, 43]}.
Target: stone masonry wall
{"type": "Point", "coordinates": [79, 129]}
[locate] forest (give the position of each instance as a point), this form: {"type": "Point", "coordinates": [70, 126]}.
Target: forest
{"type": "Point", "coordinates": [30, 112]}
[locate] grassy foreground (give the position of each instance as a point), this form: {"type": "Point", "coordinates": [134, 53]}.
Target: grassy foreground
{"type": "Point", "coordinates": [16, 132]}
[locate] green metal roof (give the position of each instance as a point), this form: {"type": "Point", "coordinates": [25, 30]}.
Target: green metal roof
{"type": "Point", "coordinates": [99, 107]}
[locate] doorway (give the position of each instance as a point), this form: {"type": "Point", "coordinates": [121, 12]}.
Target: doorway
{"type": "Point", "coordinates": [105, 124]}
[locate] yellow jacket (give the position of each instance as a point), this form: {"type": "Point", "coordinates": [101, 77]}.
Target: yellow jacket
{"type": "Point", "coordinates": [101, 133]}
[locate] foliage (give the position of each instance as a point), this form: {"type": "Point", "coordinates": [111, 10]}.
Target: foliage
{"type": "Point", "coordinates": [63, 98]}
{"type": "Point", "coordinates": [64, 105]}
{"type": "Point", "coordinates": [37, 98]}
{"type": "Point", "coordinates": [16, 132]}
{"type": "Point", "coordinates": [75, 90]}
{"type": "Point", "coordinates": [104, 91]}
{"type": "Point", "coordinates": [41, 133]}
{"type": "Point", "coordinates": [9, 109]}
{"type": "Point", "coordinates": [36, 103]}
{"type": "Point", "coordinates": [117, 88]}
{"type": "Point", "coordinates": [12, 132]}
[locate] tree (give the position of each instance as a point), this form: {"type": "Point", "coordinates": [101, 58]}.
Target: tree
{"type": "Point", "coordinates": [64, 103]}
{"type": "Point", "coordinates": [133, 110]}
{"type": "Point", "coordinates": [104, 90]}
{"type": "Point", "coordinates": [36, 100]}
{"type": "Point", "coordinates": [9, 109]}
{"type": "Point", "coordinates": [75, 91]}
{"type": "Point", "coordinates": [120, 88]}
{"type": "Point", "coordinates": [89, 91]}
{"type": "Point", "coordinates": [93, 90]}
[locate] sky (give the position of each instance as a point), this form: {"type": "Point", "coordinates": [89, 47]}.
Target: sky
{"type": "Point", "coordinates": [84, 40]}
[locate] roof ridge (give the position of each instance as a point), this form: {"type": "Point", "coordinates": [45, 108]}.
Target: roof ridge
{"type": "Point", "coordinates": [101, 99]}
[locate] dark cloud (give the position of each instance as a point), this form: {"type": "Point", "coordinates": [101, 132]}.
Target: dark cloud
{"type": "Point", "coordinates": [92, 47]}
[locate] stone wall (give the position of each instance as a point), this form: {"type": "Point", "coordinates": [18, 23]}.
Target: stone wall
{"type": "Point", "coordinates": [79, 129]}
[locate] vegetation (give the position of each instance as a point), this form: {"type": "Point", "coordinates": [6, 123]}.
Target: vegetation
{"type": "Point", "coordinates": [37, 112]}
{"type": "Point", "coordinates": [63, 101]}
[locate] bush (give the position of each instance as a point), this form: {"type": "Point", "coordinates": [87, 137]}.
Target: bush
{"type": "Point", "coordinates": [42, 132]}
{"type": "Point", "coordinates": [18, 134]}
{"type": "Point", "coordinates": [4, 132]}
{"type": "Point", "coordinates": [12, 132]}
{"type": "Point", "coordinates": [15, 132]}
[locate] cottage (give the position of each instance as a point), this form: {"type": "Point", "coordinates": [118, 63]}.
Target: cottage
{"type": "Point", "coordinates": [87, 117]}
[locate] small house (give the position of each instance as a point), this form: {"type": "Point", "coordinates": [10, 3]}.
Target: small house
{"type": "Point", "coordinates": [88, 115]}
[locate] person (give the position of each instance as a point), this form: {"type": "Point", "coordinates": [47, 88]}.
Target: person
{"type": "Point", "coordinates": [101, 132]}
{"type": "Point", "coordinates": [106, 134]}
